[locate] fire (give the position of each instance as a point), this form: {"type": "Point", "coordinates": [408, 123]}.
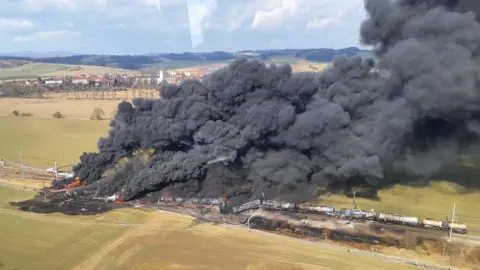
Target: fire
{"type": "Point", "coordinates": [75, 183]}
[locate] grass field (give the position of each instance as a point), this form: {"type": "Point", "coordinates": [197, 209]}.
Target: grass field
{"type": "Point", "coordinates": [161, 241]}
{"type": "Point", "coordinates": [435, 200]}
{"type": "Point", "coordinates": [45, 140]}
{"type": "Point", "coordinates": [71, 109]}
{"type": "Point", "coordinates": [308, 66]}
{"type": "Point", "coordinates": [298, 65]}
{"type": "Point", "coordinates": [35, 70]}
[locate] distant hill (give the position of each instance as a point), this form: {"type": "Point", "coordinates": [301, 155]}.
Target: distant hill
{"type": "Point", "coordinates": [29, 54]}
{"type": "Point", "coordinates": [135, 62]}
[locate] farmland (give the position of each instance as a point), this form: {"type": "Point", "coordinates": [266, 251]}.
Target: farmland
{"type": "Point", "coordinates": [433, 200]}
{"type": "Point", "coordinates": [71, 109]}
{"type": "Point", "coordinates": [45, 140]}
{"type": "Point", "coordinates": [35, 70]}
{"type": "Point", "coordinates": [152, 241]}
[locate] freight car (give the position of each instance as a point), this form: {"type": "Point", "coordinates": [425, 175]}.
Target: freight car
{"type": "Point", "coordinates": [397, 219]}
{"type": "Point", "coordinates": [324, 210]}
{"type": "Point", "coordinates": [432, 224]}
{"type": "Point", "coordinates": [246, 206]}
{"type": "Point", "coordinates": [456, 227]}
{"type": "Point", "coordinates": [278, 205]}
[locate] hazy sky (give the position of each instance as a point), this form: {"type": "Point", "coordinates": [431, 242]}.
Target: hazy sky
{"type": "Point", "coordinates": [143, 26]}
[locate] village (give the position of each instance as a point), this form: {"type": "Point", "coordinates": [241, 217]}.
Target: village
{"type": "Point", "coordinates": [141, 80]}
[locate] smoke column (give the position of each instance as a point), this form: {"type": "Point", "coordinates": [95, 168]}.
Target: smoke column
{"type": "Point", "coordinates": [251, 127]}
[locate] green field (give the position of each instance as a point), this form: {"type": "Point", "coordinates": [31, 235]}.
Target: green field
{"type": "Point", "coordinates": [434, 200]}
{"type": "Point", "coordinates": [45, 140]}
{"type": "Point", "coordinates": [35, 70]}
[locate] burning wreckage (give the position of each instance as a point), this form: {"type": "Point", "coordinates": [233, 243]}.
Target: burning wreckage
{"type": "Point", "coordinates": [260, 128]}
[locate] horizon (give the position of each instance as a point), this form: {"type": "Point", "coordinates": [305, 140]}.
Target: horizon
{"type": "Point", "coordinates": [71, 53]}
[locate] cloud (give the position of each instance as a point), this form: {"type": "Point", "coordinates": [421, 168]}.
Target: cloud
{"type": "Point", "coordinates": [275, 13]}
{"type": "Point", "coordinates": [47, 36]}
{"type": "Point", "coordinates": [14, 23]}
{"type": "Point", "coordinates": [268, 15]}
{"type": "Point", "coordinates": [337, 19]}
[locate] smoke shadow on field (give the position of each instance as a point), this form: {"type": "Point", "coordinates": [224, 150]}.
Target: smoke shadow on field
{"type": "Point", "coordinates": [357, 186]}
{"type": "Point", "coordinates": [464, 173]}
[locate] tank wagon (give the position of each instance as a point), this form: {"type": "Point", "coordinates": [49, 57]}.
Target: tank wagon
{"type": "Point", "coordinates": [456, 227]}
{"type": "Point", "coordinates": [326, 210]}
{"type": "Point", "coordinates": [397, 219]}
{"type": "Point", "coordinates": [278, 205]}
{"type": "Point", "coordinates": [246, 206]}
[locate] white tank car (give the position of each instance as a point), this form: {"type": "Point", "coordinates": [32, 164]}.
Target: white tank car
{"type": "Point", "coordinates": [432, 223]}
{"type": "Point", "coordinates": [323, 209]}
{"type": "Point", "coordinates": [458, 227]}
{"type": "Point", "coordinates": [412, 221]}
{"type": "Point", "coordinates": [317, 209]}
{"type": "Point", "coordinates": [286, 205]}
{"type": "Point", "coordinates": [246, 206]}
{"type": "Point", "coordinates": [388, 217]}
{"type": "Point", "coordinates": [399, 219]}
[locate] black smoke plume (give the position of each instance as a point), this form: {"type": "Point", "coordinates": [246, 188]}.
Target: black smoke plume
{"type": "Point", "coordinates": [250, 128]}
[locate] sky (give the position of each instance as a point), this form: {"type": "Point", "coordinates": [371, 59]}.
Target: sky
{"type": "Point", "coordinates": [164, 26]}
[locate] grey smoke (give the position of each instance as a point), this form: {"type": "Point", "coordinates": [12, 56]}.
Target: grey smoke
{"type": "Point", "coordinates": [288, 134]}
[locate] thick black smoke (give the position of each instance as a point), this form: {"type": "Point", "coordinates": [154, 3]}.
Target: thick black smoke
{"type": "Point", "coordinates": [251, 127]}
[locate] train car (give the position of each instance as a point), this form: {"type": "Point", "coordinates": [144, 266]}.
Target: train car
{"type": "Point", "coordinates": [363, 215]}
{"type": "Point", "coordinates": [211, 201]}
{"type": "Point", "coordinates": [410, 220]}
{"type": "Point", "coordinates": [179, 200]}
{"type": "Point", "coordinates": [326, 210]}
{"type": "Point", "coordinates": [345, 213]}
{"type": "Point", "coordinates": [397, 219]}
{"type": "Point", "coordinates": [432, 224]}
{"type": "Point", "coordinates": [246, 206]}
{"type": "Point", "coordinates": [278, 205]}
{"type": "Point", "coordinates": [457, 227]}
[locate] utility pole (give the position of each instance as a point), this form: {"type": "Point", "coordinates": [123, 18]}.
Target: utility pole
{"type": "Point", "coordinates": [21, 162]}
{"type": "Point", "coordinates": [55, 168]}
{"type": "Point", "coordinates": [451, 223]}
{"type": "Point", "coordinates": [354, 203]}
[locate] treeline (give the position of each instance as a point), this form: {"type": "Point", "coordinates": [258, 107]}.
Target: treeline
{"type": "Point", "coordinates": [12, 90]}
{"type": "Point", "coordinates": [135, 62]}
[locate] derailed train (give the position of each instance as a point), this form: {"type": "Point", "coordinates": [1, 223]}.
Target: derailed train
{"type": "Point", "coordinates": [391, 218]}
{"type": "Point", "coordinates": [456, 227]}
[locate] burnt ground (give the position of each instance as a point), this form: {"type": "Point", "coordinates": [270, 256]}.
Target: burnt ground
{"type": "Point", "coordinates": [47, 202]}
